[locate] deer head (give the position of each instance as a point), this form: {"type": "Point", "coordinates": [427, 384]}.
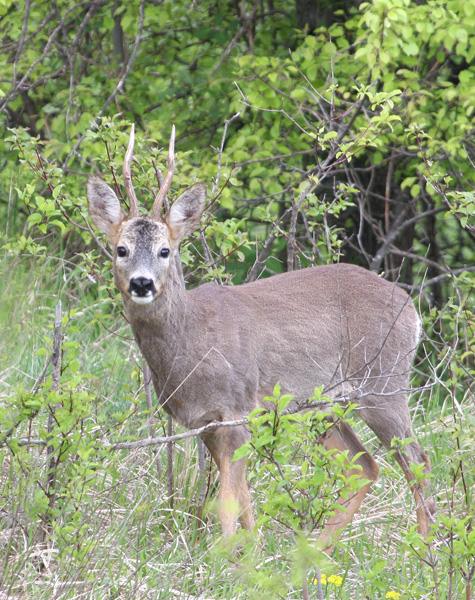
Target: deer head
{"type": "Point", "coordinates": [144, 246]}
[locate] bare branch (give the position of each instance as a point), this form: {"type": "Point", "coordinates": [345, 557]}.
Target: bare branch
{"type": "Point", "coordinates": [210, 427]}
{"type": "Point", "coordinates": [170, 460]}
{"type": "Point", "coordinates": [147, 381]}
{"type": "Point", "coordinates": [276, 157]}
{"type": "Point", "coordinates": [436, 279]}
{"type": "Point", "coordinates": [119, 87]}
{"type": "Point", "coordinates": [395, 232]}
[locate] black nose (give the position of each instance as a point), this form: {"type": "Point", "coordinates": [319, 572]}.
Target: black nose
{"type": "Point", "coordinates": [141, 286]}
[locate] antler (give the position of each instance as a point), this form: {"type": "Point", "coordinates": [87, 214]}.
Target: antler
{"type": "Point", "coordinates": [129, 188]}
{"type": "Point", "coordinates": [164, 189]}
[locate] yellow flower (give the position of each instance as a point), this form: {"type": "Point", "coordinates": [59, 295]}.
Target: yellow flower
{"type": "Point", "coordinates": [335, 579]}
{"type": "Point", "coordinates": [393, 595]}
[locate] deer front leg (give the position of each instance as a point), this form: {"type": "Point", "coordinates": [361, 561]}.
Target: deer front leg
{"type": "Point", "coordinates": [234, 499]}
{"type": "Point", "coordinates": [234, 502]}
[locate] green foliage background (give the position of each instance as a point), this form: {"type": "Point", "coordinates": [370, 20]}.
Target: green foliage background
{"type": "Point", "coordinates": [352, 141]}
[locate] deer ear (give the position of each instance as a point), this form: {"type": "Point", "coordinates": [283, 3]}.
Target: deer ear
{"type": "Point", "coordinates": [185, 214]}
{"type": "Point", "coordinates": [104, 206]}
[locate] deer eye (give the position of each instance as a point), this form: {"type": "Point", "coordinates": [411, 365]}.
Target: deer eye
{"type": "Point", "coordinates": [121, 251]}
{"type": "Point", "coordinates": [164, 252]}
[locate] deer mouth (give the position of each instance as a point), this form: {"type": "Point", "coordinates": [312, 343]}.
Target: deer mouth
{"type": "Point", "coordinates": [142, 290]}
{"type": "Point", "coordinates": [142, 299]}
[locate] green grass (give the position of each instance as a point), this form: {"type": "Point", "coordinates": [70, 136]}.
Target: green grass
{"type": "Point", "coordinates": [114, 533]}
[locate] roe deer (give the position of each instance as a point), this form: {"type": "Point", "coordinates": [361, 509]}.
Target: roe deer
{"type": "Point", "coordinates": [216, 351]}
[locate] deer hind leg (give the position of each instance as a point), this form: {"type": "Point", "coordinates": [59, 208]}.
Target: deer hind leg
{"type": "Point", "coordinates": [341, 437]}
{"type": "Point", "coordinates": [392, 420]}
{"type": "Point", "coordinates": [234, 502]}
{"type": "Point", "coordinates": [425, 504]}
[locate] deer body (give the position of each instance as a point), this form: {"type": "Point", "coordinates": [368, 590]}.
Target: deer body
{"type": "Point", "coordinates": [203, 345]}
{"type": "Point", "coordinates": [216, 351]}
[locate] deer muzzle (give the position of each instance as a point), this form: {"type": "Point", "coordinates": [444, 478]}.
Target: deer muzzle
{"type": "Point", "coordinates": [142, 290]}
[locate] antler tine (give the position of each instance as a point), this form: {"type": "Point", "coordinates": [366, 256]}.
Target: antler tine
{"type": "Point", "coordinates": [165, 188]}
{"type": "Point", "coordinates": [129, 187]}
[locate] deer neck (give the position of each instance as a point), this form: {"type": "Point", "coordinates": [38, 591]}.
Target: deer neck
{"type": "Point", "coordinates": [159, 326]}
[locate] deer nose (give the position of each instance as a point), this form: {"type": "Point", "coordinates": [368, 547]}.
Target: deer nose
{"type": "Point", "coordinates": [141, 286]}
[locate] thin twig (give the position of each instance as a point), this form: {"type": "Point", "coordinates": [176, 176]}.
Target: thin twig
{"type": "Point", "coordinates": [202, 489]}
{"type": "Point", "coordinates": [52, 460]}
{"type": "Point", "coordinates": [147, 381]}
{"type": "Point", "coordinates": [169, 443]}
{"type": "Point", "coordinates": [118, 89]}
{"type": "Point", "coordinates": [291, 244]}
